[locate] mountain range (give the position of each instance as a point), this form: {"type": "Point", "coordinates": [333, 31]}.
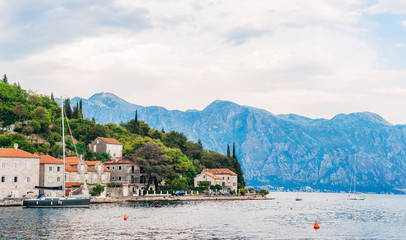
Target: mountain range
{"type": "Point", "coordinates": [286, 150]}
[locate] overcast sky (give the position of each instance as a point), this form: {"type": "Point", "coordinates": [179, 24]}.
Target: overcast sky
{"type": "Point", "coordinates": [315, 58]}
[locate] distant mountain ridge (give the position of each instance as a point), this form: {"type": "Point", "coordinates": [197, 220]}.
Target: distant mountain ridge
{"type": "Point", "coordinates": [282, 150]}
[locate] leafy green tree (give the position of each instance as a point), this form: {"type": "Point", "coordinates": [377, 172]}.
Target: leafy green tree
{"type": "Point", "coordinates": [20, 110]}
{"type": "Point", "coordinates": [40, 113]}
{"type": "Point", "coordinates": [97, 190]}
{"type": "Point", "coordinates": [204, 185]}
{"type": "Point", "coordinates": [243, 191]}
{"type": "Point", "coordinates": [175, 139]}
{"type": "Point", "coordinates": [154, 163]}
{"type": "Point", "coordinates": [216, 187]}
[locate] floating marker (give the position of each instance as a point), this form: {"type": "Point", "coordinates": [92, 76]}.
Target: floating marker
{"type": "Point", "coordinates": [125, 217]}
{"type": "Point", "coordinates": [316, 225]}
{"type": "Point", "coordinates": [291, 208]}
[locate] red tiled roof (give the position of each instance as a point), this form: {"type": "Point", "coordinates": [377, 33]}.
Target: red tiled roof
{"type": "Point", "coordinates": [48, 159]}
{"type": "Point", "coordinates": [91, 163]}
{"type": "Point", "coordinates": [106, 169]}
{"type": "Point", "coordinates": [212, 175]}
{"type": "Point", "coordinates": [89, 169]}
{"type": "Point", "coordinates": [72, 160]}
{"type": "Point", "coordinates": [110, 140]}
{"type": "Point", "coordinates": [11, 152]}
{"type": "Point", "coordinates": [70, 184]}
{"type": "Point", "coordinates": [220, 171]}
{"type": "Point", "coordinates": [69, 168]}
{"type": "Point", "coordinates": [118, 161]}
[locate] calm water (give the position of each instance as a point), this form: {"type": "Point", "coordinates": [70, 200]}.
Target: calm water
{"type": "Point", "coordinates": [377, 217]}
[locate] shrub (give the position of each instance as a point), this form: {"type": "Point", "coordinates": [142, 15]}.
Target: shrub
{"type": "Point", "coordinates": [243, 191]}
{"type": "Point", "coordinates": [97, 190]}
{"type": "Point", "coordinates": [263, 192]}
{"type": "Point", "coordinates": [113, 184]}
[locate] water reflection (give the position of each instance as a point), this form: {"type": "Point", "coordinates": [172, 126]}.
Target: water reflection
{"type": "Point", "coordinates": [380, 216]}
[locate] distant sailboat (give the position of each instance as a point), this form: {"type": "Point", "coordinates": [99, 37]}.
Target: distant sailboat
{"type": "Point", "coordinates": [58, 202]}
{"type": "Point", "coordinates": [354, 195]}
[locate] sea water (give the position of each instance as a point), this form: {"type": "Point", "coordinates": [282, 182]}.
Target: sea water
{"type": "Point", "coordinates": [376, 217]}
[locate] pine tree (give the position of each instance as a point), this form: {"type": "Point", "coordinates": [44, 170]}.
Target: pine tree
{"type": "Point", "coordinates": [52, 96]}
{"type": "Point", "coordinates": [5, 79]}
{"type": "Point", "coordinates": [228, 150]}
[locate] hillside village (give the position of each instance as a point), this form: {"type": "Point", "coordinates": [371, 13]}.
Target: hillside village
{"type": "Point", "coordinates": [132, 157]}
{"type": "Point", "coordinates": [23, 171]}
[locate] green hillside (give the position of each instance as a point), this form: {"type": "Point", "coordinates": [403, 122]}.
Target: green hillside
{"type": "Point", "coordinates": [34, 122]}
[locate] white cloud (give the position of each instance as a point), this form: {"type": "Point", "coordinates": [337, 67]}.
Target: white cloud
{"type": "Point", "coordinates": [403, 23]}
{"type": "Point", "coordinates": [284, 56]}
{"type": "Point", "coordinates": [399, 45]}
{"type": "Point", "coordinates": [388, 6]}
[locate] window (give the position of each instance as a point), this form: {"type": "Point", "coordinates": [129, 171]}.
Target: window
{"type": "Point", "coordinates": [3, 179]}
{"type": "Point", "coordinates": [58, 179]}
{"type": "Point", "coordinates": [15, 179]}
{"type": "Point", "coordinates": [16, 164]}
{"type": "Point", "coordinates": [119, 167]}
{"type": "Point", "coordinates": [113, 177]}
{"type": "Point", "coordinates": [108, 168]}
{"type": "Point", "coordinates": [28, 179]}
{"type": "Point", "coordinates": [58, 169]}
{"type": "Point", "coordinates": [3, 165]}
{"type": "Point", "coordinates": [113, 168]}
{"type": "Point", "coordinates": [49, 179]}
{"type": "Point", "coordinates": [119, 178]}
{"type": "Point", "coordinates": [50, 169]}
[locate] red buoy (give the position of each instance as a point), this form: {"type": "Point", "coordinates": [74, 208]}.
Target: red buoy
{"type": "Point", "coordinates": [125, 217]}
{"type": "Point", "coordinates": [316, 225]}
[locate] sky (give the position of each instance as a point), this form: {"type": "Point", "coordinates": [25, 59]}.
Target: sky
{"type": "Point", "coordinates": [315, 58]}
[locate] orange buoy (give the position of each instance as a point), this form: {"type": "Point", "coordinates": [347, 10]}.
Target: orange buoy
{"type": "Point", "coordinates": [327, 199]}
{"type": "Point", "coordinates": [125, 217]}
{"type": "Point", "coordinates": [291, 208]}
{"type": "Point", "coordinates": [316, 225]}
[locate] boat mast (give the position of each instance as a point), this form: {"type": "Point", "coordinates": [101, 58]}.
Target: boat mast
{"type": "Point", "coordinates": [63, 148]}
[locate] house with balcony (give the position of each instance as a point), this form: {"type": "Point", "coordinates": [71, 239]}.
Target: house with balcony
{"type": "Point", "coordinates": [224, 177]}
{"type": "Point", "coordinates": [19, 173]}
{"type": "Point", "coordinates": [127, 170]}
{"type": "Point", "coordinates": [107, 145]}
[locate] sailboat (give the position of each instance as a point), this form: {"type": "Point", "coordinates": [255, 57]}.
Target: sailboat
{"type": "Point", "coordinates": [354, 195]}
{"type": "Point", "coordinates": [64, 201]}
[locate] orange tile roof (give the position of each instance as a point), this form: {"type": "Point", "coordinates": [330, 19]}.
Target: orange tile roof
{"type": "Point", "coordinates": [69, 168]}
{"type": "Point", "coordinates": [92, 163]}
{"type": "Point", "coordinates": [89, 169]}
{"type": "Point", "coordinates": [70, 184]}
{"type": "Point", "coordinates": [106, 169]}
{"type": "Point", "coordinates": [212, 175]}
{"type": "Point", "coordinates": [220, 171]}
{"type": "Point", "coordinates": [118, 160]}
{"type": "Point", "coordinates": [72, 160]}
{"type": "Point", "coordinates": [110, 140]}
{"type": "Point", "coordinates": [11, 152]}
{"type": "Point", "coordinates": [48, 159]}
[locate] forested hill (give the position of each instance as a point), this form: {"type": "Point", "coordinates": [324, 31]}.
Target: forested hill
{"type": "Point", "coordinates": [287, 151]}
{"type": "Point", "coordinates": [34, 122]}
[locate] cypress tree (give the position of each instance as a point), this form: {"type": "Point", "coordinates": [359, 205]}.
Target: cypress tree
{"type": "Point", "coordinates": [52, 96]}
{"type": "Point", "coordinates": [81, 109]}
{"type": "Point", "coordinates": [68, 108]}
{"type": "Point", "coordinates": [228, 151]}
{"type": "Point", "coordinates": [136, 116]}
{"type": "Point", "coordinates": [93, 120]}
{"type": "Point", "coordinates": [234, 156]}
{"type": "Point", "coordinates": [5, 79]}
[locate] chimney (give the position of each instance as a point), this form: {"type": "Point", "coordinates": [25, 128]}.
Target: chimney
{"type": "Point", "coordinates": [80, 157]}
{"type": "Point", "coordinates": [15, 146]}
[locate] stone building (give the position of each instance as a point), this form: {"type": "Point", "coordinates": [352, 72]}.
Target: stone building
{"type": "Point", "coordinates": [50, 174]}
{"type": "Point", "coordinates": [224, 177]}
{"type": "Point", "coordinates": [127, 170]}
{"type": "Point", "coordinates": [107, 145]}
{"type": "Point", "coordinates": [19, 173]}
{"type": "Point", "coordinates": [101, 174]}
